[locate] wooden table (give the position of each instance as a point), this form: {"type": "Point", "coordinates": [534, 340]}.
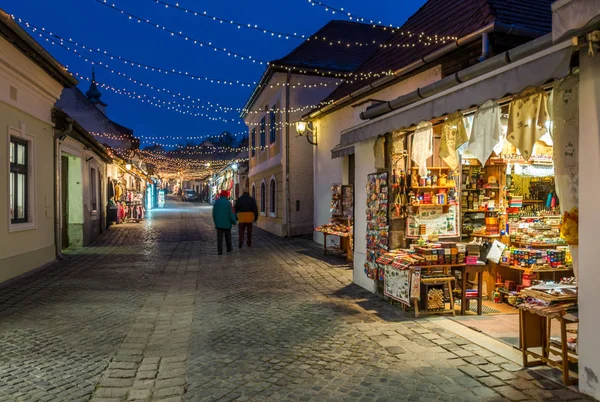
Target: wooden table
{"type": "Point", "coordinates": [465, 270]}
{"type": "Point", "coordinates": [344, 241]}
{"type": "Point", "coordinates": [534, 331]}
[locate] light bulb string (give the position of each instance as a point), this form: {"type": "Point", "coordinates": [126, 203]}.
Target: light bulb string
{"type": "Point", "coordinates": [180, 34]}
{"type": "Point", "coordinates": [425, 40]}
{"type": "Point", "coordinates": [394, 29]}
{"type": "Point", "coordinates": [239, 25]}
{"type": "Point", "coordinates": [301, 70]}
{"type": "Point", "coordinates": [212, 106]}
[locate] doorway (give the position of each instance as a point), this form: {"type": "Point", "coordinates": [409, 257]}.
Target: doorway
{"type": "Point", "coordinates": [71, 201]}
{"type": "Point", "coordinates": [64, 200]}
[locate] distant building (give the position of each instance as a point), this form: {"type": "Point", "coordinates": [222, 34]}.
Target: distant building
{"type": "Point", "coordinates": [281, 165]}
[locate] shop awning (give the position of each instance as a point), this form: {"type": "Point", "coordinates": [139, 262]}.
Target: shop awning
{"type": "Point", "coordinates": [537, 69]}
{"type": "Point", "coordinates": [574, 17]}
{"type": "Point", "coordinates": [340, 152]}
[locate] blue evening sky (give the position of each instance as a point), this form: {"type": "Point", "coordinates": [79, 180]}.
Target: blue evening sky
{"type": "Point", "coordinates": [98, 26]}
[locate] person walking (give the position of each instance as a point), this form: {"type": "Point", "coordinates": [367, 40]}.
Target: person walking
{"type": "Point", "coordinates": [247, 214]}
{"type": "Point", "coordinates": [224, 219]}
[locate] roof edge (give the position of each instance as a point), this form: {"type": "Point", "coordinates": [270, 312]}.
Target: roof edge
{"type": "Point", "coordinates": [26, 42]}
{"type": "Point", "coordinates": [493, 27]}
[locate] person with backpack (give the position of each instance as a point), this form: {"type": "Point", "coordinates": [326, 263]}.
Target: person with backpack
{"type": "Point", "coordinates": [247, 214]}
{"type": "Point", "coordinates": [224, 219]}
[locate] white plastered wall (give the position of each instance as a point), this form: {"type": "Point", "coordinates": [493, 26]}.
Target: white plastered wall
{"type": "Point", "coordinates": [589, 224]}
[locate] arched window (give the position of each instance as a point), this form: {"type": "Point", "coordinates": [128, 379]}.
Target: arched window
{"type": "Point", "coordinates": [273, 199]}
{"type": "Point", "coordinates": [253, 191]}
{"type": "Point", "coordinates": [263, 197]}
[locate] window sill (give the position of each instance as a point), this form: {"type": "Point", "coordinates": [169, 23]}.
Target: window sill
{"type": "Point", "coordinates": [21, 227]}
{"type": "Point", "coordinates": [263, 214]}
{"type": "Point", "coordinates": [272, 215]}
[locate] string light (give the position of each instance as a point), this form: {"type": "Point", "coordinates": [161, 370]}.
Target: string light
{"type": "Point", "coordinates": [283, 35]}
{"type": "Point", "coordinates": [133, 63]}
{"type": "Point", "coordinates": [48, 36]}
{"type": "Point", "coordinates": [182, 35]}
{"type": "Point", "coordinates": [239, 25]}
{"type": "Point", "coordinates": [172, 106]}
{"type": "Point", "coordinates": [422, 37]}
{"type": "Point", "coordinates": [300, 70]}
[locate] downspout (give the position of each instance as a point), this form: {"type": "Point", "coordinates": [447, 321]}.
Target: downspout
{"type": "Point", "coordinates": [287, 156]}
{"type": "Point", "coordinates": [485, 46]}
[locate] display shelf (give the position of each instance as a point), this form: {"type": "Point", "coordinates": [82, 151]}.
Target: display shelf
{"type": "Point", "coordinates": [431, 187]}
{"type": "Point", "coordinates": [487, 236]}
{"type": "Point", "coordinates": [432, 168]}
{"type": "Point", "coordinates": [537, 245]}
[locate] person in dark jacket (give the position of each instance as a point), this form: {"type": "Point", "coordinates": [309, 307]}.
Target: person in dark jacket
{"type": "Point", "coordinates": [247, 213]}
{"type": "Point", "coordinates": [224, 219]}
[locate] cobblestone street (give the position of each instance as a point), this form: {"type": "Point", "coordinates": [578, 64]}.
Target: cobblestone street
{"type": "Point", "coordinates": [151, 312]}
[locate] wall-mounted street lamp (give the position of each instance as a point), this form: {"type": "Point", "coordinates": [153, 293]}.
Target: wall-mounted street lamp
{"type": "Point", "coordinates": [307, 130]}
{"type": "Point", "coordinates": [234, 166]}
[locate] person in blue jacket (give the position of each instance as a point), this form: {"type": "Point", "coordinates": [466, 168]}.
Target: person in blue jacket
{"type": "Point", "coordinates": [224, 219]}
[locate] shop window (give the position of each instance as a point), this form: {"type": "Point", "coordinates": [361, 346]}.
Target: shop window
{"type": "Point", "coordinates": [93, 191]}
{"type": "Point", "coordinates": [253, 140]}
{"type": "Point", "coordinates": [272, 126]}
{"type": "Point", "coordinates": [19, 186]}
{"type": "Point", "coordinates": [263, 197]}
{"type": "Point", "coordinates": [263, 134]}
{"type": "Point", "coordinates": [273, 199]}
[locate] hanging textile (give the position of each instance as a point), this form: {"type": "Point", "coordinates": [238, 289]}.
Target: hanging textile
{"type": "Point", "coordinates": [118, 192]}
{"type": "Point", "coordinates": [565, 132]}
{"type": "Point", "coordinates": [486, 132]}
{"type": "Point", "coordinates": [379, 152]}
{"type": "Point", "coordinates": [564, 107]}
{"type": "Point", "coordinates": [527, 119]}
{"type": "Point", "coordinates": [454, 136]}
{"type": "Point", "coordinates": [422, 146]}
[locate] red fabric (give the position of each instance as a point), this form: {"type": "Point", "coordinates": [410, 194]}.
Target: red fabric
{"type": "Point", "coordinates": [224, 193]}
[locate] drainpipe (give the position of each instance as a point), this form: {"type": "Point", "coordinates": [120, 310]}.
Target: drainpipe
{"type": "Point", "coordinates": [485, 46]}
{"type": "Point", "coordinates": [287, 155]}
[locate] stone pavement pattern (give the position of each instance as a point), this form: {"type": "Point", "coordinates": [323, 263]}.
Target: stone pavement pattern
{"type": "Point", "coordinates": [150, 312]}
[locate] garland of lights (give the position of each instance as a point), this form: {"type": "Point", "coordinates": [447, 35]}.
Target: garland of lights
{"type": "Point", "coordinates": [422, 36]}
{"type": "Point", "coordinates": [335, 74]}
{"type": "Point", "coordinates": [284, 35]}
{"type": "Point", "coordinates": [180, 34]}
{"type": "Point", "coordinates": [213, 106]}
{"type": "Point", "coordinates": [133, 63]}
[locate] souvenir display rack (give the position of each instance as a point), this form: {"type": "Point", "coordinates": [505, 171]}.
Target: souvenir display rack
{"type": "Point", "coordinates": [377, 222]}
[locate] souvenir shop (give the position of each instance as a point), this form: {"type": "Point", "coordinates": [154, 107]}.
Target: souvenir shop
{"type": "Point", "coordinates": [226, 180]}
{"type": "Point", "coordinates": [339, 229]}
{"type": "Point", "coordinates": [473, 214]}
{"type": "Point", "coordinates": [128, 188]}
